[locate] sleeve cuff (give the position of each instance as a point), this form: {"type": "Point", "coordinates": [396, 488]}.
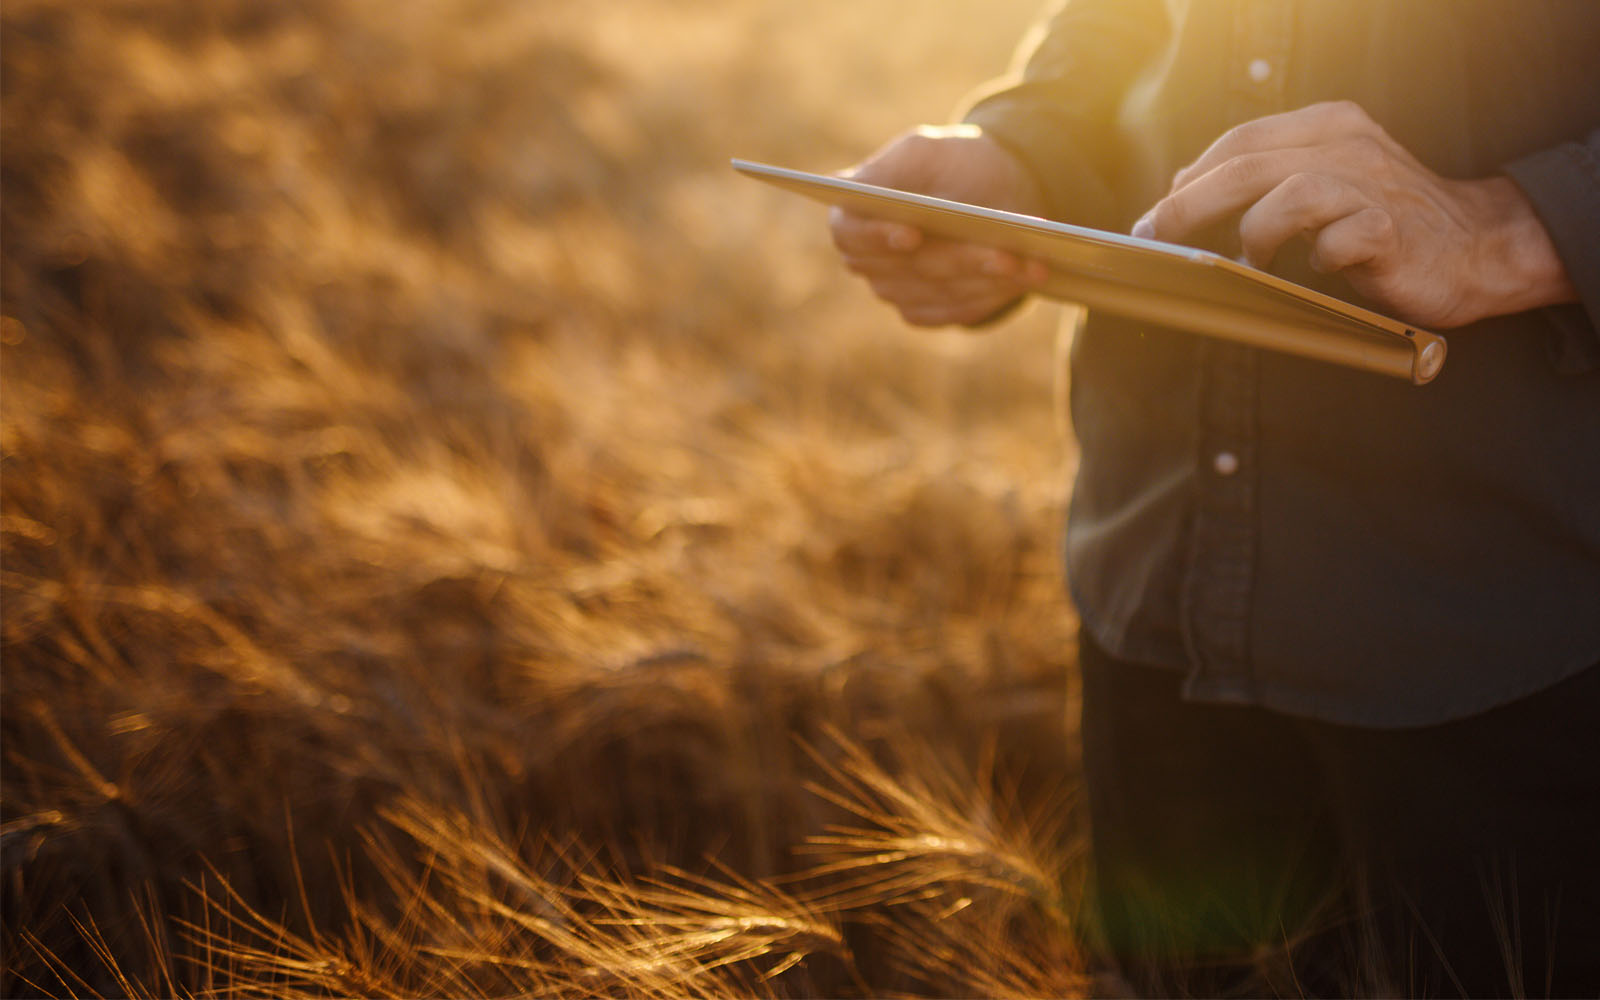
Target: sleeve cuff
{"type": "Point", "coordinates": [1563, 185]}
{"type": "Point", "coordinates": [1073, 188]}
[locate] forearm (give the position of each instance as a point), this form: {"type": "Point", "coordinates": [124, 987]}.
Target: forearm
{"type": "Point", "coordinates": [1055, 112]}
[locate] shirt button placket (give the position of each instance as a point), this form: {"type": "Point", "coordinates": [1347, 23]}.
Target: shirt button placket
{"type": "Point", "coordinates": [1219, 587]}
{"type": "Point", "coordinates": [1220, 584]}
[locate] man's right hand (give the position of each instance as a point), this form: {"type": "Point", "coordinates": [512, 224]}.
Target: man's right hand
{"type": "Point", "coordinates": [935, 282]}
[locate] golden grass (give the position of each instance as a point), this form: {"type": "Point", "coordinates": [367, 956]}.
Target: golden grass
{"type": "Point", "coordinates": [458, 539]}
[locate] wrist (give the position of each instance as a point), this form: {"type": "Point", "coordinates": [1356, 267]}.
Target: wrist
{"type": "Point", "coordinates": [1516, 266]}
{"type": "Point", "coordinates": [1027, 193]}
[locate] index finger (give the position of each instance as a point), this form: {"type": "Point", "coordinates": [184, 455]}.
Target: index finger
{"type": "Point", "coordinates": [1308, 126]}
{"type": "Point", "coordinates": [862, 236]}
{"type": "Point", "coordinates": [1213, 196]}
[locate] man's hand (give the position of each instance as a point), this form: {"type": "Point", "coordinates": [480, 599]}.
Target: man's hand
{"type": "Point", "coordinates": [1431, 250]}
{"type": "Point", "coordinates": [937, 282]}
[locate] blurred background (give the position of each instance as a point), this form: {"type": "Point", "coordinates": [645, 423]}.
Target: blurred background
{"type": "Point", "coordinates": [459, 538]}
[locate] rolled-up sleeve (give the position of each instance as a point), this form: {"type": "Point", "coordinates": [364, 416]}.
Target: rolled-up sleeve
{"type": "Point", "coordinates": [1056, 111]}
{"type": "Point", "coordinates": [1563, 183]}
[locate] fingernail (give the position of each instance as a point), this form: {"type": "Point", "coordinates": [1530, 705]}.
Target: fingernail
{"type": "Point", "coordinates": [1144, 229]}
{"type": "Point", "coordinates": [994, 266]}
{"type": "Point", "coordinates": [902, 239]}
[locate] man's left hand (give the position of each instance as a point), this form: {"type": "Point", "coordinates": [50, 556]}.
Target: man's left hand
{"type": "Point", "coordinates": [1431, 250]}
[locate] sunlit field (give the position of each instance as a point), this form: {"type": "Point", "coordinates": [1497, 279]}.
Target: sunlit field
{"type": "Point", "coordinates": [461, 539]}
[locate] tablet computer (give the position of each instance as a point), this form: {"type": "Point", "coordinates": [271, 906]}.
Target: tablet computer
{"type": "Point", "coordinates": [1163, 283]}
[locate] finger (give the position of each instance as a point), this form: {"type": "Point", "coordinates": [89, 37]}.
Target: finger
{"type": "Point", "coordinates": [944, 259]}
{"type": "Point", "coordinates": [910, 290]}
{"type": "Point", "coordinates": [1361, 238]}
{"type": "Point", "coordinates": [874, 265]}
{"type": "Point", "coordinates": [933, 262]}
{"type": "Point", "coordinates": [1024, 271]}
{"type": "Point", "coordinates": [861, 235]}
{"type": "Point", "coordinates": [940, 260]}
{"type": "Point", "coordinates": [1303, 203]}
{"type": "Point", "coordinates": [1314, 125]}
{"type": "Point", "coordinates": [967, 313]}
{"type": "Point", "coordinates": [1226, 189]}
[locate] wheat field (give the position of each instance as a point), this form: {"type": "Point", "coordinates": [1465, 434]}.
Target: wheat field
{"type": "Point", "coordinates": [461, 540]}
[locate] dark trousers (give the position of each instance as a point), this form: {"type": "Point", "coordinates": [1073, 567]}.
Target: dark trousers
{"type": "Point", "coordinates": [1241, 849]}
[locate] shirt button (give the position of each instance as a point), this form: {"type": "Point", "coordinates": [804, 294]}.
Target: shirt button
{"type": "Point", "coordinates": [1226, 463]}
{"type": "Point", "coordinates": [1259, 70]}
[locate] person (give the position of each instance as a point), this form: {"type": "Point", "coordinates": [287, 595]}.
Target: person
{"type": "Point", "coordinates": [1340, 635]}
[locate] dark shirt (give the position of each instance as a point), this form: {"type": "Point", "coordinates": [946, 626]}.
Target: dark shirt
{"type": "Point", "coordinates": [1318, 540]}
